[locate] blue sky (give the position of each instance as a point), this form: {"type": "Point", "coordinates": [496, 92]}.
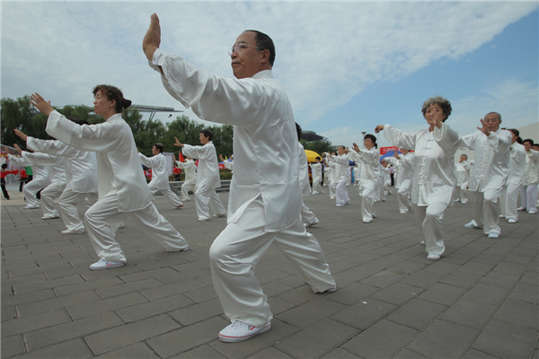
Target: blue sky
{"type": "Point", "coordinates": [346, 66]}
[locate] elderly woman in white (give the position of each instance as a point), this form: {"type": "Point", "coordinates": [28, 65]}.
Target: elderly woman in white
{"type": "Point", "coordinates": [121, 184]}
{"type": "Point", "coordinates": [367, 181]}
{"type": "Point", "coordinates": [190, 177]}
{"type": "Point", "coordinates": [160, 172]}
{"type": "Point", "coordinates": [530, 178]}
{"type": "Point", "coordinates": [434, 180]}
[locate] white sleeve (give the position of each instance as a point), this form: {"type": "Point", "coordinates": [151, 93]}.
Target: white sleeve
{"type": "Point", "coordinates": [198, 152]}
{"type": "Point", "coordinates": [446, 138]}
{"type": "Point", "coordinates": [52, 147]}
{"type": "Point", "coordinates": [399, 138]}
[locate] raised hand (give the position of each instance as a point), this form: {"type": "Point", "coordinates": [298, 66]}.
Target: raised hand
{"type": "Point", "coordinates": [152, 39]}
{"type": "Point", "coordinates": [177, 142]}
{"type": "Point", "coordinates": [17, 148]}
{"type": "Point", "coordinates": [356, 147]}
{"type": "Point", "coordinates": [483, 129]}
{"type": "Point", "coordinates": [40, 103]}
{"type": "Point", "coordinates": [20, 134]}
{"type": "Point", "coordinates": [378, 128]}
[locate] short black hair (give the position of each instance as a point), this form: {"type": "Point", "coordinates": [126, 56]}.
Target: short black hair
{"type": "Point", "coordinates": [264, 42]}
{"type": "Point", "coordinates": [159, 146]}
{"type": "Point", "coordinates": [207, 133]}
{"type": "Point", "coordinates": [528, 140]}
{"type": "Point", "coordinates": [372, 138]}
{"type": "Point", "coordinates": [515, 131]}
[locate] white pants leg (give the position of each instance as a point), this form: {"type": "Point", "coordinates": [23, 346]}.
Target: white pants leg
{"type": "Point", "coordinates": [531, 198]}
{"type": "Point", "coordinates": [101, 222]}
{"type": "Point", "coordinates": [30, 190]}
{"type": "Point", "coordinates": [202, 201]}
{"type": "Point", "coordinates": [403, 201]}
{"type": "Point", "coordinates": [184, 191]}
{"type": "Point", "coordinates": [331, 189]}
{"type": "Point", "coordinates": [477, 207]}
{"type": "Point", "coordinates": [307, 214]}
{"type": "Point", "coordinates": [317, 188]}
{"type": "Point", "coordinates": [368, 195]}
{"type": "Point", "coordinates": [491, 219]}
{"type": "Point", "coordinates": [172, 197]}
{"type": "Point", "coordinates": [341, 193]}
{"type": "Point", "coordinates": [216, 206]}
{"type": "Point", "coordinates": [431, 220]}
{"type": "Point", "coordinates": [238, 248]}
{"type": "Point", "coordinates": [49, 197]}
{"type": "Point", "coordinates": [67, 205]}
{"type": "Point", "coordinates": [510, 200]}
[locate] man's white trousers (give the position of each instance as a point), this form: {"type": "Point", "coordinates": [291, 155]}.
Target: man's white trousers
{"type": "Point", "coordinates": [367, 192]}
{"type": "Point", "coordinates": [509, 201]}
{"type": "Point", "coordinates": [238, 248]}
{"type": "Point", "coordinates": [184, 191]}
{"type": "Point", "coordinates": [207, 202]}
{"type": "Point", "coordinates": [528, 197]}
{"type": "Point", "coordinates": [169, 194]}
{"type": "Point", "coordinates": [102, 221]}
{"type": "Point", "coordinates": [485, 210]}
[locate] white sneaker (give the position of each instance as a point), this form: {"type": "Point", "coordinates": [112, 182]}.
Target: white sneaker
{"type": "Point", "coordinates": [532, 212]}
{"type": "Point", "coordinates": [501, 216]}
{"type": "Point", "coordinates": [493, 235]}
{"type": "Point", "coordinates": [327, 291]}
{"type": "Point", "coordinates": [313, 223]}
{"type": "Point", "coordinates": [50, 216]}
{"type": "Point", "coordinates": [512, 220]}
{"type": "Point", "coordinates": [239, 331]}
{"type": "Point", "coordinates": [102, 263]}
{"type": "Point", "coordinates": [31, 207]}
{"type": "Point", "coordinates": [367, 220]}
{"type": "Point", "coordinates": [433, 257]}
{"type": "Point", "coordinates": [521, 209]}
{"type": "Point", "coordinates": [472, 224]}
{"type": "Point", "coordinates": [73, 231]}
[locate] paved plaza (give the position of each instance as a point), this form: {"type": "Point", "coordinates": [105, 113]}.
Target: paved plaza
{"type": "Point", "coordinates": [479, 301]}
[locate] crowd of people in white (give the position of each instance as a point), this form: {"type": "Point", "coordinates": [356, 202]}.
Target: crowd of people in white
{"type": "Point", "coordinates": [91, 175]}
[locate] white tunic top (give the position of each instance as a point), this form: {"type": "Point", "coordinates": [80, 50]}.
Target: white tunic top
{"type": "Point", "coordinates": [160, 170]}
{"type": "Point", "coordinates": [462, 173]}
{"type": "Point", "coordinates": [80, 166]}
{"type": "Point", "coordinates": [39, 173]}
{"type": "Point", "coordinates": [342, 166]}
{"type": "Point", "coordinates": [433, 177]}
{"type": "Point", "coordinates": [190, 170]}
{"type": "Point", "coordinates": [57, 172]}
{"type": "Point", "coordinates": [265, 139]}
{"type": "Point", "coordinates": [369, 162]}
{"type": "Point", "coordinates": [316, 171]}
{"type": "Point", "coordinates": [118, 165]}
{"type": "Point", "coordinates": [491, 159]}
{"type": "Point", "coordinates": [208, 167]}
{"type": "Point", "coordinates": [531, 175]}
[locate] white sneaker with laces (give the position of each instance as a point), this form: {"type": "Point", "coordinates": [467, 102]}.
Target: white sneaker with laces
{"type": "Point", "coordinates": [433, 257]}
{"type": "Point", "coordinates": [493, 235]}
{"type": "Point", "coordinates": [512, 220]}
{"type": "Point", "coordinates": [73, 231]}
{"type": "Point", "coordinates": [102, 263]}
{"type": "Point", "coordinates": [239, 331]}
{"type": "Point", "coordinates": [48, 216]}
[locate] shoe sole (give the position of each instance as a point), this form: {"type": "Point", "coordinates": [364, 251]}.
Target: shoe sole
{"type": "Point", "coordinates": [226, 339]}
{"type": "Point", "coordinates": [108, 267]}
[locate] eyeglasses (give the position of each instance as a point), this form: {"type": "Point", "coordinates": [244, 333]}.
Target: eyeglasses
{"type": "Point", "coordinates": [240, 46]}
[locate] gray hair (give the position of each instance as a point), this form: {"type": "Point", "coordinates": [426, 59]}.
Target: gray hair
{"type": "Point", "coordinates": [444, 104]}
{"type": "Point", "coordinates": [497, 115]}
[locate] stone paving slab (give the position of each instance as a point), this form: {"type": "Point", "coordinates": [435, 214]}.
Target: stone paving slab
{"type": "Point", "coordinates": [479, 301]}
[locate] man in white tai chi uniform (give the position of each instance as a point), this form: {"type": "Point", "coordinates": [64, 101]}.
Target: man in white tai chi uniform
{"type": "Point", "coordinates": [121, 184]}
{"type": "Point", "coordinates": [207, 201]}
{"type": "Point", "coordinates": [309, 218]}
{"type": "Point", "coordinates": [316, 171]}
{"type": "Point", "coordinates": [517, 167]}
{"type": "Point", "coordinates": [462, 173]}
{"type": "Point", "coordinates": [265, 200]}
{"type": "Point", "coordinates": [160, 171]}
{"type": "Point", "coordinates": [488, 175]}
{"type": "Point", "coordinates": [341, 175]}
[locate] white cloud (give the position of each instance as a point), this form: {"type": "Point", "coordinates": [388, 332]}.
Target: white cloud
{"type": "Point", "coordinates": [327, 52]}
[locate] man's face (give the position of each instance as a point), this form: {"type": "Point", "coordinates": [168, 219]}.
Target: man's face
{"type": "Point", "coordinates": [102, 105]}
{"type": "Point", "coordinates": [245, 58]}
{"type": "Point", "coordinates": [203, 139]}
{"type": "Point", "coordinates": [463, 158]}
{"type": "Point", "coordinates": [527, 145]}
{"type": "Point", "coordinates": [340, 150]}
{"type": "Point", "coordinates": [492, 122]}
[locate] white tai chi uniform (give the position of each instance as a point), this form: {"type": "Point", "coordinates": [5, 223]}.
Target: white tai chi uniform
{"type": "Point", "coordinates": [316, 172]}
{"type": "Point", "coordinates": [265, 200]}
{"type": "Point", "coordinates": [530, 180]}
{"type": "Point", "coordinates": [121, 184]}
{"type": "Point", "coordinates": [81, 174]}
{"type": "Point", "coordinates": [462, 173]}
{"type": "Point", "coordinates": [433, 177]}
{"type": "Point", "coordinates": [40, 180]}
{"type": "Point", "coordinates": [488, 176]}
{"type": "Point", "coordinates": [308, 216]}
{"type": "Point", "coordinates": [367, 181]}
{"type": "Point", "coordinates": [207, 201]}
{"type": "Point", "coordinates": [57, 181]}
{"type": "Point", "coordinates": [190, 178]}
{"type": "Point", "coordinates": [341, 176]}
{"type": "Point", "coordinates": [509, 197]}
{"type": "Point", "coordinates": [159, 182]}
{"type": "Point", "coordinates": [403, 180]}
